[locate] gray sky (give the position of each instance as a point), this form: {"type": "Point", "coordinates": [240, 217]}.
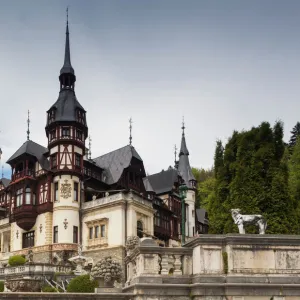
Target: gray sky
{"type": "Point", "coordinates": [224, 65]}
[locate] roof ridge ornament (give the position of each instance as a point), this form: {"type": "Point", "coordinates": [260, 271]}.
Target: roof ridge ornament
{"type": "Point", "coordinates": [130, 131]}
{"type": "Point", "coordinates": [28, 123]}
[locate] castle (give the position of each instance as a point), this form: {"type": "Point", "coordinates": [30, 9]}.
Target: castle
{"type": "Point", "coordinates": [59, 197]}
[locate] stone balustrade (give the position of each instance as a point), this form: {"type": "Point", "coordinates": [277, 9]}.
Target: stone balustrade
{"type": "Point", "coordinates": [131, 196]}
{"type": "Point", "coordinates": [36, 269]}
{"type": "Point", "coordinates": [148, 259]}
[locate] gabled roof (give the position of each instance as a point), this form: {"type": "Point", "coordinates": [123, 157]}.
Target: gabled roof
{"type": "Point", "coordinates": [115, 162]}
{"type": "Point", "coordinates": [5, 181]}
{"type": "Point", "coordinates": [34, 149]}
{"type": "Point", "coordinates": [162, 182]}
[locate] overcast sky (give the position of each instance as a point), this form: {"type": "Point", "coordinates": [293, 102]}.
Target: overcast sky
{"type": "Point", "coordinates": [224, 65]}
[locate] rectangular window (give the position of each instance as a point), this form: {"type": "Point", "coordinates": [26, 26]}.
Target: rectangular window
{"type": "Point", "coordinates": [75, 234]}
{"type": "Point", "coordinates": [77, 160]}
{"type": "Point", "coordinates": [79, 135]}
{"type": "Point", "coordinates": [53, 161]}
{"type": "Point", "coordinates": [75, 191]}
{"type": "Point", "coordinates": [91, 233]}
{"type": "Point", "coordinates": [193, 213]}
{"type": "Point", "coordinates": [65, 132]}
{"type": "Point", "coordinates": [55, 234]}
{"type": "Point", "coordinates": [96, 231]}
{"type": "Point", "coordinates": [19, 197]}
{"type": "Point", "coordinates": [102, 231]}
{"type": "Point", "coordinates": [52, 135]}
{"type": "Point", "coordinates": [28, 239]}
{"type": "Point", "coordinates": [56, 191]}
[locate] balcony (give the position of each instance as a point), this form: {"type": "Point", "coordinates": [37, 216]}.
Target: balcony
{"type": "Point", "coordinates": [23, 174]}
{"type": "Point", "coordinates": [97, 243]}
{"type": "Point", "coordinates": [25, 216]}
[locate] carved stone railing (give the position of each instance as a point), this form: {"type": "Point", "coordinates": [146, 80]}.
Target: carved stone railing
{"type": "Point", "coordinates": [33, 269]}
{"type": "Point", "coordinates": [148, 259]}
{"type": "Point", "coordinates": [114, 198]}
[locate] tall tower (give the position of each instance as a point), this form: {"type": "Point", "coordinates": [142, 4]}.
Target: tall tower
{"type": "Point", "coordinates": [185, 171]}
{"type": "Point", "coordinates": [66, 131]}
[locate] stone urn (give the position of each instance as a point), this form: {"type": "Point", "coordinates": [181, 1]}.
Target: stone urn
{"type": "Point", "coordinates": [106, 272]}
{"type": "Point", "coordinates": [25, 284]}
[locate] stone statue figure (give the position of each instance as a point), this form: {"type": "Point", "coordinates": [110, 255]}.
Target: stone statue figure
{"type": "Point", "coordinates": [80, 250]}
{"type": "Point", "coordinates": [241, 220]}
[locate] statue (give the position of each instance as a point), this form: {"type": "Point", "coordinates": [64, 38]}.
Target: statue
{"type": "Point", "coordinates": [241, 220]}
{"type": "Point", "coordinates": [30, 256]}
{"type": "Point", "coordinates": [107, 271]}
{"type": "Point", "coordinates": [131, 243]}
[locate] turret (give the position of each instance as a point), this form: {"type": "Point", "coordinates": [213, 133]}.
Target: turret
{"type": "Point", "coordinates": [66, 130]}
{"type": "Point", "coordinates": [185, 171]}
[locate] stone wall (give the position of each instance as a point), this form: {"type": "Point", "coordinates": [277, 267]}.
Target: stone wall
{"type": "Point", "coordinates": [64, 296]}
{"type": "Point", "coordinates": [231, 267]}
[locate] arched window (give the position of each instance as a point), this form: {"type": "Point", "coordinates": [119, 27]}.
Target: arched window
{"type": "Point", "coordinates": [27, 195]}
{"type": "Point", "coordinates": [140, 229]}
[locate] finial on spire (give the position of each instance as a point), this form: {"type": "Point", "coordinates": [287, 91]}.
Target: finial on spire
{"type": "Point", "coordinates": [183, 126]}
{"type": "Point", "coordinates": [175, 153]}
{"type": "Point", "coordinates": [67, 11]}
{"type": "Point", "coordinates": [90, 148]}
{"type": "Point", "coordinates": [28, 122]}
{"type": "Point", "coordinates": [130, 131]}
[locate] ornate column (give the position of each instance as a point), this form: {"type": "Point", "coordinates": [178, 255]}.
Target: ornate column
{"type": "Point", "coordinates": [164, 264]}
{"type": "Point", "coordinates": [177, 265]}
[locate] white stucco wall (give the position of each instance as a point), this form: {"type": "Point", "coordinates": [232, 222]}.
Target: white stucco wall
{"type": "Point", "coordinates": [65, 233]}
{"type": "Point", "coordinates": [190, 200]}
{"type": "Point", "coordinates": [115, 224]}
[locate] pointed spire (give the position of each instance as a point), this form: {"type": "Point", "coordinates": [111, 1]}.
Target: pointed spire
{"type": "Point", "coordinates": [183, 148]}
{"type": "Point", "coordinates": [184, 167]}
{"type": "Point", "coordinates": [28, 123]}
{"type": "Point", "coordinates": [90, 148]}
{"type": "Point", "coordinates": [67, 67]}
{"type": "Point", "coordinates": [130, 131]}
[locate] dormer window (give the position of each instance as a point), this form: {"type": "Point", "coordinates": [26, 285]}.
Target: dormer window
{"type": "Point", "coordinates": [51, 116]}
{"type": "Point", "coordinates": [65, 132]}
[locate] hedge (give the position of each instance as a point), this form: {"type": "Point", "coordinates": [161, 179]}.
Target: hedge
{"type": "Point", "coordinates": [16, 260]}
{"type": "Point", "coordinates": [82, 284]}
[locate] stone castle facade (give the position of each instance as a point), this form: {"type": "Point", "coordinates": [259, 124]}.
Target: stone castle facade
{"type": "Point", "coordinates": [59, 197]}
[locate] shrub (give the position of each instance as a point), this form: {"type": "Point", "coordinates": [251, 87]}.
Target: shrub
{"type": "Point", "coordinates": [82, 284]}
{"type": "Point", "coordinates": [1, 286]}
{"type": "Point", "coordinates": [16, 260]}
{"type": "Point", "coordinates": [49, 289]}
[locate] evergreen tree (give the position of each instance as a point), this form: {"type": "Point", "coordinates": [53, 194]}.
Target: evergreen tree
{"type": "Point", "coordinates": [294, 134]}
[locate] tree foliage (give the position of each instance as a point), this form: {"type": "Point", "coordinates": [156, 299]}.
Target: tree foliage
{"type": "Point", "coordinates": [294, 134]}
{"type": "Point", "coordinates": [255, 172]}
{"type": "Point", "coordinates": [82, 284]}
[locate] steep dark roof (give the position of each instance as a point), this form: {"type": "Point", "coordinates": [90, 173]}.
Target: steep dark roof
{"type": "Point", "coordinates": [34, 149]}
{"type": "Point", "coordinates": [66, 105]}
{"type": "Point", "coordinates": [5, 181]}
{"type": "Point", "coordinates": [162, 182]}
{"type": "Point", "coordinates": [184, 167]}
{"type": "Point", "coordinates": [115, 162]}
{"type": "Point", "coordinates": [201, 215]}
{"type": "Point", "coordinates": [67, 67]}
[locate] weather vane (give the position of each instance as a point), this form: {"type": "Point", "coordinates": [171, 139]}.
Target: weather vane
{"type": "Point", "coordinates": [28, 122]}
{"type": "Point", "coordinates": [183, 126]}
{"type": "Point", "coordinates": [130, 131]}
